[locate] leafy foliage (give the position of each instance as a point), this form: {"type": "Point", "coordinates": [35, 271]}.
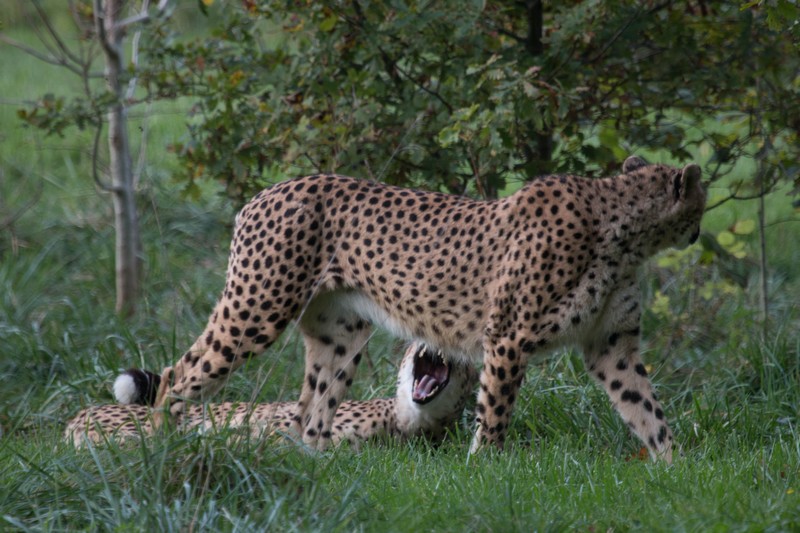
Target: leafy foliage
{"type": "Point", "coordinates": [469, 98]}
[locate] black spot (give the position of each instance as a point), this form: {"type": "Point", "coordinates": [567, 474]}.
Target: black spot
{"type": "Point", "coordinates": [631, 396]}
{"type": "Point", "coordinates": [227, 352]}
{"type": "Point", "coordinates": [612, 340]}
{"type": "Point", "coordinates": [616, 384]}
{"type": "Point", "coordinates": [528, 347]}
{"type": "Point", "coordinates": [640, 369]}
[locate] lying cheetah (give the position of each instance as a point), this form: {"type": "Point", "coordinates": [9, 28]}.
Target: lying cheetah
{"type": "Point", "coordinates": [431, 394]}
{"type": "Point", "coordinates": [498, 281]}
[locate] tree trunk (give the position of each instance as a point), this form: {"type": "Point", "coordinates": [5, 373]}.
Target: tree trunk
{"type": "Point", "coordinates": [543, 140]}
{"type": "Point", "coordinates": [128, 241]}
{"type": "Point", "coordinates": [535, 27]}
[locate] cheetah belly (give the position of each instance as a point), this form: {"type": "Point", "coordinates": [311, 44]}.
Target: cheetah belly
{"type": "Point", "coordinates": [470, 349]}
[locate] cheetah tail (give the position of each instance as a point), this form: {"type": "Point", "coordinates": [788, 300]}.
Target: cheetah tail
{"type": "Point", "coordinates": [136, 386]}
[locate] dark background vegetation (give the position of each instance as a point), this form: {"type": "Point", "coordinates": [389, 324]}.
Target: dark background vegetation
{"type": "Point", "coordinates": [224, 98]}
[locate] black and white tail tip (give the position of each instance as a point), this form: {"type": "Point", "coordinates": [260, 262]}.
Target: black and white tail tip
{"type": "Point", "coordinates": [135, 386]}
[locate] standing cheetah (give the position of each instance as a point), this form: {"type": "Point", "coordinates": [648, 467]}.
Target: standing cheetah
{"type": "Point", "coordinates": [431, 395]}
{"type": "Point", "coordinates": [498, 281]}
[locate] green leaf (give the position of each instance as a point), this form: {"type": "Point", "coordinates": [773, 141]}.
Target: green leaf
{"type": "Point", "coordinates": [726, 238]}
{"type": "Point", "coordinates": [329, 23]}
{"type": "Point", "coordinates": [449, 135]}
{"type": "Point", "coordinates": [744, 227]}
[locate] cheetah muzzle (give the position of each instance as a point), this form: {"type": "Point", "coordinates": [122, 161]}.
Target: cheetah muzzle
{"type": "Point", "coordinates": [496, 281]}
{"type": "Point", "coordinates": [431, 375]}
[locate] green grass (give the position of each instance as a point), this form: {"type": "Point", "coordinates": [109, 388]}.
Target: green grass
{"type": "Point", "coordinates": [732, 401]}
{"type": "Point", "coordinates": [732, 397]}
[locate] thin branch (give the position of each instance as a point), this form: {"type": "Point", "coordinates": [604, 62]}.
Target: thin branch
{"type": "Point", "coordinates": [624, 27]}
{"type": "Point", "coordinates": [41, 36]}
{"type": "Point", "coordinates": [141, 160]}
{"type": "Point", "coordinates": [508, 33]}
{"type": "Point", "coordinates": [95, 154]}
{"type": "Point", "coordinates": [9, 220]}
{"type": "Point", "coordinates": [762, 243]}
{"type": "Point", "coordinates": [102, 36]}
{"type": "Point", "coordinates": [781, 221]}
{"type": "Point", "coordinates": [135, 63]}
{"type": "Point", "coordinates": [424, 88]}
{"type": "Point", "coordinates": [735, 196]}
{"type": "Point", "coordinates": [54, 34]}
{"type": "Point", "coordinates": [143, 16]}
{"type": "Point", "coordinates": [390, 65]}
{"type": "Point", "coordinates": [58, 61]}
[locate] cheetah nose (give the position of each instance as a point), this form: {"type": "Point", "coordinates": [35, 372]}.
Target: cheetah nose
{"type": "Point", "coordinates": [695, 236]}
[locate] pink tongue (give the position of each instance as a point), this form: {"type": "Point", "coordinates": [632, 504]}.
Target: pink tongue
{"type": "Point", "coordinates": [425, 387]}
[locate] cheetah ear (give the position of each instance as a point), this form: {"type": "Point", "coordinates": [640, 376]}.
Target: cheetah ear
{"type": "Point", "coordinates": [633, 163]}
{"type": "Point", "coordinates": [686, 181]}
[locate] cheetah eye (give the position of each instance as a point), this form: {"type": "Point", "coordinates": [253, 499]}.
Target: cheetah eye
{"type": "Point", "coordinates": [676, 186]}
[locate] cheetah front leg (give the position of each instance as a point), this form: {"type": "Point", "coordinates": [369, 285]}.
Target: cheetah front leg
{"type": "Point", "coordinates": [615, 362]}
{"type": "Point", "coordinates": [501, 377]}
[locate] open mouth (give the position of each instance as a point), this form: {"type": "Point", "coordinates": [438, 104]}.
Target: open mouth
{"type": "Point", "coordinates": [431, 374]}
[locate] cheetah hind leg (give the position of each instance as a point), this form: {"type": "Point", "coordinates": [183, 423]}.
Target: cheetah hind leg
{"type": "Point", "coordinates": [227, 343]}
{"type": "Point", "coordinates": [334, 337]}
{"type": "Point", "coordinates": [619, 369]}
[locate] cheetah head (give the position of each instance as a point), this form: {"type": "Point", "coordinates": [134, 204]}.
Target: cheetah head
{"type": "Point", "coordinates": [431, 390]}
{"type": "Point", "coordinates": [678, 201]}
{"type": "Point", "coordinates": [431, 375]}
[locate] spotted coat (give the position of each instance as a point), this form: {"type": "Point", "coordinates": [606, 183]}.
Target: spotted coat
{"type": "Point", "coordinates": [494, 281]}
